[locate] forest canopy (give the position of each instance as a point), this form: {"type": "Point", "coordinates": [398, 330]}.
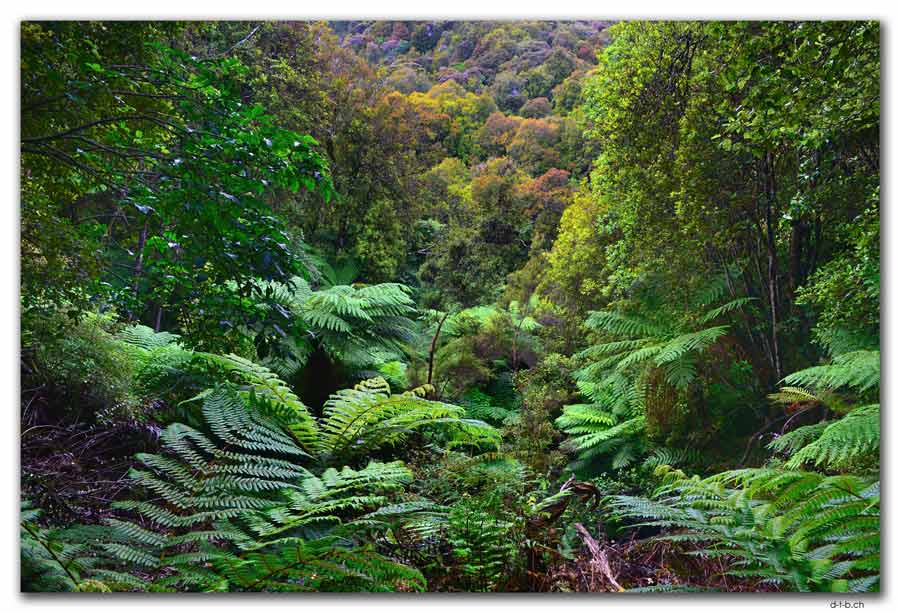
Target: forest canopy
{"type": "Point", "coordinates": [474, 306]}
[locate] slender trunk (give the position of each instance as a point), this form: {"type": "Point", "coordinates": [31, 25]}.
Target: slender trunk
{"type": "Point", "coordinates": [760, 280]}
{"type": "Point", "coordinates": [732, 290]}
{"type": "Point", "coordinates": [799, 233]}
{"type": "Point", "coordinates": [772, 257]}
{"type": "Point", "coordinates": [139, 261]}
{"type": "Point", "coordinates": [434, 340]}
{"type": "Point", "coordinates": [817, 240]}
{"type": "Point", "coordinates": [773, 308]}
{"type": "Point", "coordinates": [515, 347]}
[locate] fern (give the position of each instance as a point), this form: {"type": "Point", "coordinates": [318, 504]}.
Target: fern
{"type": "Point", "coordinates": [479, 406]}
{"type": "Point", "coordinates": [481, 546]}
{"type": "Point", "coordinates": [423, 520]}
{"type": "Point", "coordinates": [344, 271]}
{"type": "Point", "coordinates": [806, 531]}
{"type": "Point", "coordinates": [682, 345]}
{"type": "Point", "coordinates": [724, 309]}
{"type": "Point", "coordinates": [360, 326]}
{"type": "Point", "coordinates": [791, 442]}
{"type": "Point", "coordinates": [255, 501]}
{"type": "Point", "coordinates": [617, 324]}
{"type": "Point", "coordinates": [368, 416]}
{"type": "Point", "coordinates": [48, 563]}
{"type": "Point", "coordinates": [355, 422]}
{"type": "Point", "coordinates": [853, 440]}
{"type": "Point", "coordinates": [237, 510]}
{"type": "Point", "coordinates": [146, 338]}
{"type": "Point", "coordinates": [274, 393]}
{"type": "Point", "coordinates": [611, 425]}
{"type": "Point", "coordinates": [836, 444]}
{"type": "Point", "coordinates": [664, 456]}
{"type": "Point", "coordinates": [858, 370]}
{"type": "Point", "coordinates": [636, 361]}
{"type": "Point", "coordinates": [158, 357]}
{"type": "Point", "coordinates": [799, 529]}
{"type": "Point", "coordinates": [327, 497]}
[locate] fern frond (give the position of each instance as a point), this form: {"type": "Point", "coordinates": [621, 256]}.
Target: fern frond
{"type": "Point", "coordinates": [857, 370]}
{"type": "Point", "coordinates": [146, 338]}
{"type": "Point", "coordinates": [683, 344]}
{"type": "Point", "coordinates": [620, 325]}
{"type": "Point", "coordinates": [806, 529]}
{"type": "Point", "coordinates": [369, 416]}
{"type": "Point", "coordinates": [236, 509]}
{"type": "Point", "coordinates": [841, 443]}
{"type": "Point", "coordinates": [726, 308]}
{"type": "Point", "coordinates": [273, 393]}
{"type": "Point", "coordinates": [790, 395]}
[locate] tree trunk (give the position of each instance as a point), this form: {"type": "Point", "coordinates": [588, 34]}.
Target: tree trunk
{"type": "Point", "coordinates": [772, 257]}
{"type": "Point", "coordinates": [434, 340]}
{"type": "Point", "coordinates": [139, 261]}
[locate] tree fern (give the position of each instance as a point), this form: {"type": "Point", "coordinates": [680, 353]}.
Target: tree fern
{"type": "Point", "coordinates": [235, 509]}
{"type": "Point", "coordinates": [266, 387]}
{"type": "Point", "coordinates": [655, 347]}
{"type": "Point", "coordinates": [804, 531]}
{"type": "Point", "coordinates": [158, 357]}
{"type": "Point", "coordinates": [480, 406]}
{"type": "Point", "coordinates": [857, 370]}
{"type": "Point", "coordinates": [626, 369]}
{"type": "Point", "coordinates": [359, 325]}
{"type": "Point", "coordinates": [368, 416]}
{"type": "Point", "coordinates": [255, 499]}
{"type": "Point", "coordinates": [851, 441]}
{"type": "Point", "coordinates": [799, 529]}
{"type": "Point", "coordinates": [355, 422]}
{"type": "Point", "coordinates": [834, 444]}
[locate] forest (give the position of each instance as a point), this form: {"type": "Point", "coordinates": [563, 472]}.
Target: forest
{"type": "Point", "coordinates": [450, 306]}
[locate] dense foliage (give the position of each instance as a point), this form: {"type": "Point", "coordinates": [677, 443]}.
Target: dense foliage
{"type": "Point", "coordinates": [450, 306]}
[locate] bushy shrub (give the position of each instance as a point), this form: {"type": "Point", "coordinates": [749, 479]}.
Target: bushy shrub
{"type": "Point", "coordinates": [83, 369]}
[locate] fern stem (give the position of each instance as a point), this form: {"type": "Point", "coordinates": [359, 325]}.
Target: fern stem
{"type": "Point", "coordinates": [50, 551]}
